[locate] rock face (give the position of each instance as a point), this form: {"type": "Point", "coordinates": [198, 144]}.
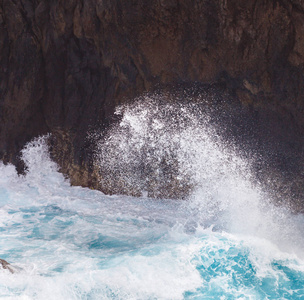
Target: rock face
{"type": "Point", "coordinates": [66, 64]}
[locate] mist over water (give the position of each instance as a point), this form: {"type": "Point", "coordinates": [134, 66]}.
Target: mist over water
{"type": "Point", "coordinates": [196, 226]}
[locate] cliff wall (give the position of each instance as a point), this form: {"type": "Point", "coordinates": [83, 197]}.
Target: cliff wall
{"type": "Point", "coordinates": [66, 64]}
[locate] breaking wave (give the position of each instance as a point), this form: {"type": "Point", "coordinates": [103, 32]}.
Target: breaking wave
{"type": "Point", "coordinates": [223, 240]}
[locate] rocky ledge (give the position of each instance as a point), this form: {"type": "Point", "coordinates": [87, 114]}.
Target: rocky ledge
{"type": "Point", "coordinates": [65, 66]}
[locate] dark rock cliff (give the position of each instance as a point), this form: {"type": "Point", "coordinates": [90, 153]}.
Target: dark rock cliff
{"type": "Point", "coordinates": [66, 64]}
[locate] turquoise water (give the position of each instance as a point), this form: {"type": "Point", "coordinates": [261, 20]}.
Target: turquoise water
{"type": "Point", "coordinates": [225, 240]}
{"type": "Point", "coordinates": [75, 243]}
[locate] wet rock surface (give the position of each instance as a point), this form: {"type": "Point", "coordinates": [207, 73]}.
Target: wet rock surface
{"type": "Point", "coordinates": [66, 65]}
{"type": "Point", "coordinates": [6, 266]}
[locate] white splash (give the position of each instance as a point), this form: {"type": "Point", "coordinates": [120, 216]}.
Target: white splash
{"type": "Point", "coordinates": [171, 149]}
{"type": "Point", "coordinates": [225, 240]}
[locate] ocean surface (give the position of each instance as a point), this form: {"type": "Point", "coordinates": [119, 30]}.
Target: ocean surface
{"type": "Point", "coordinates": [225, 241]}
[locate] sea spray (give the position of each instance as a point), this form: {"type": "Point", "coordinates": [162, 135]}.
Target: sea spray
{"type": "Point", "coordinates": [224, 240]}
{"type": "Point", "coordinates": [172, 149]}
{"type": "Point", "coordinates": [165, 149]}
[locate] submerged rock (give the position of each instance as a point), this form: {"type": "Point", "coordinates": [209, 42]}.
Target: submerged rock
{"type": "Point", "coordinates": [7, 266]}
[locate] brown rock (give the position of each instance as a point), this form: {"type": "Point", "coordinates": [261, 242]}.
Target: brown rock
{"type": "Point", "coordinates": [5, 265]}
{"type": "Point", "coordinates": [65, 66]}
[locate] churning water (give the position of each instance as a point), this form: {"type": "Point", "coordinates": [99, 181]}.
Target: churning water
{"type": "Point", "coordinates": [223, 241]}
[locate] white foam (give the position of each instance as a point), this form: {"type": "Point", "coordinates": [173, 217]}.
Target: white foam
{"type": "Point", "coordinates": [75, 243]}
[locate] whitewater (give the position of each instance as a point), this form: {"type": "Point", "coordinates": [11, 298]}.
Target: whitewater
{"type": "Point", "coordinates": [222, 240]}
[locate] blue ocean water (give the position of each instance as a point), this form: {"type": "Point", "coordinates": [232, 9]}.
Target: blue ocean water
{"type": "Point", "coordinates": [75, 243]}
{"type": "Point", "coordinates": [224, 242]}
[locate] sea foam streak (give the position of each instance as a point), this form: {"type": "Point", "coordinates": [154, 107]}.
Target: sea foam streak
{"type": "Point", "coordinates": [224, 240]}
